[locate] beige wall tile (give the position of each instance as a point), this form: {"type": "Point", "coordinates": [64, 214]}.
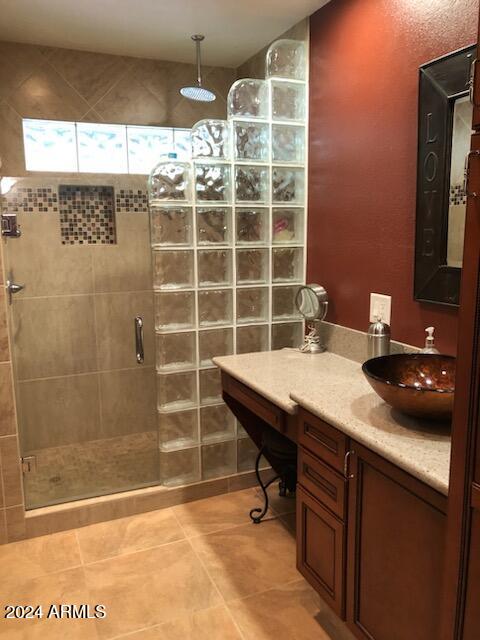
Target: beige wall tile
{"type": "Point", "coordinates": [92, 116]}
{"type": "Point", "coordinates": [114, 317]}
{"type": "Point", "coordinates": [71, 516]}
{"type": "Point", "coordinates": [137, 597]}
{"type": "Point", "coordinates": [129, 102]}
{"type": "Point", "coordinates": [220, 79]}
{"type": "Point", "coordinates": [37, 557]}
{"type": "Point", "coordinates": [40, 261]}
{"type": "Point", "coordinates": [59, 411]}
{"type": "Point", "coordinates": [2, 275]}
{"type": "Point", "coordinates": [242, 481]}
{"type": "Point", "coordinates": [11, 142]}
{"type": "Point", "coordinates": [18, 62]}
{"type": "Point", "coordinates": [91, 74]}
{"type": "Point", "coordinates": [45, 94]}
{"type": "Point", "coordinates": [4, 348]}
{"type": "Point", "coordinates": [143, 531]}
{"type": "Point", "coordinates": [54, 336]}
{"type": "Point", "coordinates": [158, 498]}
{"type": "Point", "coordinates": [7, 406]}
{"type": "Point", "coordinates": [12, 477]}
{"type": "Point", "coordinates": [2, 500]}
{"type": "Point", "coordinates": [15, 519]}
{"type": "Point", "coordinates": [3, 527]}
{"type": "Point", "coordinates": [125, 266]}
{"type": "Point", "coordinates": [128, 401]}
{"type": "Point", "coordinates": [111, 507]}
{"type": "Point", "coordinates": [154, 76]}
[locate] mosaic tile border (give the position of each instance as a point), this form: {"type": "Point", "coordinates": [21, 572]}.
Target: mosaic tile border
{"type": "Point", "coordinates": [46, 199]}
{"type": "Point", "coordinates": [32, 200]}
{"type": "Point", "coordinates": [131, 201]}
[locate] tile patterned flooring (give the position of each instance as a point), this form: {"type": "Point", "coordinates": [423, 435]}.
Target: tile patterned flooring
{"type": "Point", "coordinates": [198, 571]}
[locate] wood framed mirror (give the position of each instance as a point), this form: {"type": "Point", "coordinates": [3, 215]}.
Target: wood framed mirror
{"type": "Point", "coordinates": [444, 130]}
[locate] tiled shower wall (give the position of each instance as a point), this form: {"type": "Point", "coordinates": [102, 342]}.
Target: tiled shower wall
{"type": "Point", "coordinates": [78, 381]}
{"type": "Point", "coordinates": [64, 84]}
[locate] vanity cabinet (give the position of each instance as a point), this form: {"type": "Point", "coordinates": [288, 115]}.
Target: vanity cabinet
{"type": "Point", "coordinates": [321, 550]}
{"type": "Point", "coordinates": [369, 536]}
{"type": "Point", "coordinates": [396, 528]}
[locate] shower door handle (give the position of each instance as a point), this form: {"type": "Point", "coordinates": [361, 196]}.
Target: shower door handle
{"type": "Point", "coordinates": [139, 339]}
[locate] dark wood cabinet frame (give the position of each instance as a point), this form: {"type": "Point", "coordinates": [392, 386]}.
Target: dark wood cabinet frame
{"type": "Point", "coordinates": [442, 81]}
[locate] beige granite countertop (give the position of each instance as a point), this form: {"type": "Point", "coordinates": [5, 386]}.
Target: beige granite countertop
{"type": "Point", "coordinates": [335, 389]}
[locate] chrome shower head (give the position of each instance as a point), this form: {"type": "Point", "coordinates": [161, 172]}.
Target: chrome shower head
{"type": "Point", "coordinates": [198, 92]}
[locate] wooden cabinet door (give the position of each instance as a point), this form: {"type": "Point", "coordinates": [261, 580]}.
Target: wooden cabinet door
{"type": "Point", "coordinates": [471, 623]}
{"type": "Point", "coordinates": [396, 528]}
{"type": "Point", "coordinates": [321, 550]}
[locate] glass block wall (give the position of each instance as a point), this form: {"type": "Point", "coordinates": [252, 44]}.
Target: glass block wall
{"type": "Point", "coordinates": [228, 240]}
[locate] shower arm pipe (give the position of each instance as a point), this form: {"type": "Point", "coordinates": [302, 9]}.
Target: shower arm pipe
{"type": "Point", "coordinates": [198, 40]}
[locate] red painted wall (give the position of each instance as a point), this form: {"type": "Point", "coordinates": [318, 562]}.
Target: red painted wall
{"type": "Point", "coordinates": [364, 64]}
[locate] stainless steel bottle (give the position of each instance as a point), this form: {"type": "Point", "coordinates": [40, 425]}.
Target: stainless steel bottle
{"type": "Point", "coordinates": [378, 339]}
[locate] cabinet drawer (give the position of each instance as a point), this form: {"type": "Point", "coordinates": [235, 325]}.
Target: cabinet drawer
{"type": "Point", "coordinates": [321, 550]}
{"type": "Point", "coordinates": [324, 484]}
{"type": "Point", "coordinates": [329, 444]}
{"type": "Point", "coordinates": [259, 405]}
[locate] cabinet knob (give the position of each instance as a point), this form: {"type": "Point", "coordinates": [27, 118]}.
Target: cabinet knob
{"type": "Point", "coordinates": [346, 470]}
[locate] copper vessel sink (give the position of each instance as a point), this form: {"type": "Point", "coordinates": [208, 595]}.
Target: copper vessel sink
{"type": "Point", "coordinates": [419, 384]}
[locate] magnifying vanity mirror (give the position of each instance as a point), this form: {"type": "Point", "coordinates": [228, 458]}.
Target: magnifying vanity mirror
{"type": "Point", "coordinates": [444, 130]}
{"type": "Point", "coordinates": [312, 303]}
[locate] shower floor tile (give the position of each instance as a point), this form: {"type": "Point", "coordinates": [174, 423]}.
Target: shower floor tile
{"type": "Point", "coordinates": [98, 467]}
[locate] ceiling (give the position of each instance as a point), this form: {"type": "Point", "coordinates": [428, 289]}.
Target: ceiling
{"type": "Point", "coordinates": [234, 29]}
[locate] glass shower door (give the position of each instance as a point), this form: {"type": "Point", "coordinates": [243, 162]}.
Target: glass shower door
{"type": "Point", "coordinates": [86, 407]}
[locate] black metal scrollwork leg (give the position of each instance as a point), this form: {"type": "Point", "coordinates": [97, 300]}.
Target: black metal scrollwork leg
{"type": "Point", "coordinates": [261, 513]}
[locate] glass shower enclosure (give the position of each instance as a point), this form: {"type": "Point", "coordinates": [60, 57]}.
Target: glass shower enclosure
{"type": "Point", "coordinates": [86, 407]}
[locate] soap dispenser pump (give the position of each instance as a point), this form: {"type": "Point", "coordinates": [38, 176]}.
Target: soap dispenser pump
{"type": "Point", "coordinates": [429, 342]}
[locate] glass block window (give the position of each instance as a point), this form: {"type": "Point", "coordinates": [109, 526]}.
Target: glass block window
{"type": "Point", "coordinates": [90, 147]}
{"type": "Point", "coordinates": [146, 145]}
{"type": "Point", "coordinates": [50, 146]}
{"type": "Point", "coordinates": [101, 148]}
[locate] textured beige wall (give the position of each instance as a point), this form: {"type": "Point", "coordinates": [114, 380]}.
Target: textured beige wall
{"type": "Point", "coordinates": [254, 67]}
{"type": "Point", "coordinates": [64, 84]}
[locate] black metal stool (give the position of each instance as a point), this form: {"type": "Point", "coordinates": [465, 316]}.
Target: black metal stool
{"type": "Point", "coordinates": [282, 455]}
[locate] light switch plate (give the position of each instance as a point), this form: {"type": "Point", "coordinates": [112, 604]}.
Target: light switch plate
{"type": "Point", "coordinates": [380, 307]}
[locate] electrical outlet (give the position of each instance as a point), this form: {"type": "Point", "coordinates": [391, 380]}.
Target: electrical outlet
{"type": "Point", "coordinates": [380, 307]}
